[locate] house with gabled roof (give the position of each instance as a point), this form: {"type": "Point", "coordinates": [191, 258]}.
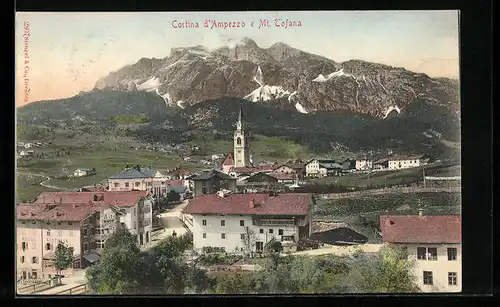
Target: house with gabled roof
{"type": "Point", "coordinates": [210, 182]}
{"type": "Point", "coordinates": [41, 226]}
{"type": "Point", "coordinates": [322, 168]}
{"type": "Point", "coordinates": [137, 207]}
{"type": "Point", "coordinates": [139, 178]}
{"type": "Point", "coordinates": [247, 223]}
{"type": "Point", "coordinates": [434, 243]}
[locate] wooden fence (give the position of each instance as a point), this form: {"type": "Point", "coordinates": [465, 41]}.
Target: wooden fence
{"type": "Point", "coordinates": [75, 290]}
{"type": "Point", "coordinates": [389, 191]}
{"type": "Point", "coordinates": [38, 286]}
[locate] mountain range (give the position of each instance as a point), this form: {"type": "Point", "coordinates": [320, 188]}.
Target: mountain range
{"type": "Point", "coordinates": [284, 91]}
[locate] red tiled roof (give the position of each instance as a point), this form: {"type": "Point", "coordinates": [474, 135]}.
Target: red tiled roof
{"type": "Point", "coordinates": [266, 167]}
{"type": "Point", "coordinates": [282, 176]}
{"type": "Point", "coordinates": [57, 212]}
{"type": "Point", "coordinates": [281, 204]}
{"type": "Point", "coordinates": [174, 182]}
{"type": "Point", "coordinates": [94, 189]}
{"type": "Point", "coordinates": [117, 198]}
{"type": "Point", "coordinates": [421, 229]}
{"type": "Point", "coordinates": [228, 160]}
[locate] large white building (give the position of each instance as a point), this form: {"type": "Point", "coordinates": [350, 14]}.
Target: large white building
{"type": "Point", "coordinates": [136, 207]}
{"type": "Point", "coordinates": [434, 242]}
{"type": "Point", "coordinates": [403, 162]}
{"type": "Point", "coordinates": [40, 227]}
{"type": "Point", "coordinates": [244, 223]}
{"type": "Point", "coordinates": [322, 168]}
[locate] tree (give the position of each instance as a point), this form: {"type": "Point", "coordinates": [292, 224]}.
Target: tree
{"type": "Point", "coordinates": [121, 269]}
{"type": "Point", "coordinates": [64, 258]}
{"type": "Point", "coordinates": [388, 271]}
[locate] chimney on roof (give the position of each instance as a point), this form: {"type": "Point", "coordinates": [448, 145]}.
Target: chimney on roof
{"type": "Point", "coordinates": [420, 211]}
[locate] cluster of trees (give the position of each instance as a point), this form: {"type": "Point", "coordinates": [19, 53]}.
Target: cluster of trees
{"type": "Point", "coordinates": [385, 272]}
{"type": "Point", "coordinates": [123, 269]}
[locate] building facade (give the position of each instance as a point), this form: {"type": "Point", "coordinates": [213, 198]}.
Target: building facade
{"type": "Point", "coordinates": [247, 223]}
{"type": "Point", "coordinates": [434, 243]}
{"type": "Point", "coordinates": [241, 145]}
{"type": "Point", "coordinates": [363, 164]}
{"type": "Point", "coordinates": [40, 228]}
{"type": "Point", "coordinates": [135, 207]}
{"type": "Point", "coordinates": [322, 168]}
{"type": "Point", "coordinates": [139, 179]}
{"type": "Point", "coordinates": [403, 162]}
{"type": "Point", "coordinates": [210, 182]}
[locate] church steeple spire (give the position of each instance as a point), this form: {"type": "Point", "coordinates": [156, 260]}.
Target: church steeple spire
{"type": "Point", "coordinates": [241, 118]}
{"type": "Point", "coordinates": [241, 148]}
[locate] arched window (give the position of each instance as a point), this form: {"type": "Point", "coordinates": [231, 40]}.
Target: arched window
{"type": "Point", "coordinates": [238, 141]}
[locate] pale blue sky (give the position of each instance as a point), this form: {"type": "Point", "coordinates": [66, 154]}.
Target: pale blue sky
{"type": "Point", "coordinates": [70, 51]}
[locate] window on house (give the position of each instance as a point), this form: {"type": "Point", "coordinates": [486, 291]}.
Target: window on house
{"type": "Point", "coordinates": [24, 245]}
{"type": "Point", "coordinates": [127, 184]}
{"type": "Point", "coordinates": [427, 253]}
{"type": "Point", "coordinates": [70, 223]}
{"type": "Point", "coordinates": [85, 231]}
{"type": "Point", "coordinates": [222, 235]}
{"type": "Point", "coordinates": [34, 260]}
{"type": "Point", "coordinates": [428, 278]}
{"type": "Point", "coordinates": [116, 184]}
{"type": "Point", "coordinates": [452, 253]}
{"type": "Point", "coordinates": [150, 184]}
{"type": "Point", "coordinates": [242, 236]}
{"type": "Point", "coordinates": [85, 246]}
{"type": "Point", "coordinates": [432, 253]}
{"type": "Point", "coordinates": [271, 230]}
{"type": "Point", "coordinates": [204, 235]}
{"type": "Point", "coordinates": [261, 230]}
{"type": "Point", "coordinates": [280, 232]}
{"type": "Point", "coordinates": [223, 223]}
{"type": "Point", "coordinates": [137, 184]}
{"type": "Point", "coordinates": [47, 246]}
{"type": "Point", "coordinates": [48, 232]}
{"type": "Point", "coordinates": [204, 222]}
{"type": "Point", "coordinates": [242, 223]}
{"type": "Point", "coordinates": [452, 278]}
{"type": "Point", "coordinates": [22, 259]}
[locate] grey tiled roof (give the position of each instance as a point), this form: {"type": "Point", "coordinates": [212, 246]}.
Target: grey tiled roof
{"type": "Point", "coordinates": [210, 174]}
{"type": "Point", "coordinates": [132, 173]}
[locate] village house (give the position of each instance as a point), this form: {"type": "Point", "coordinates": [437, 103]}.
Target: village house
{"type": "Point", "coordinates": [363, 164]}
{"type": "Point", "coordinates": [180, 174]}
{"type": "Point", "coordinates": [381, 164]}
{"type": "Point", "coordinates": [268, 181]}
{"type": "Point", "coordinates": [136, 207]}
{"type": "Point", "coordinates": [348, 165]}
{"type": "Point", "coordinates": [139, 179]}
{"type": "Point", "coordinates": [82, 172]}
{"type": "Point", "coordinates": [322, 168]}
{"type": "Point", "coordinates": [40, 228]}
{"type": "Point", "coordinates": [227, 163]}
{"type": "Point", "coordinates": [248, 223]}
{"type": "Point", "coordinates": [210, 182]}
{"type": "Point", "coordinates": [27, 153]}
{"type": "Point", "coordinates": [296, 167]}
{"type": "Point", "coordinates": [434, 242]}
{"type": "Point", "coordinates": [402, 162]}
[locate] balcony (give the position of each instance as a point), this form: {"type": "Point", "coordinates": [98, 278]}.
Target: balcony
{"type": "Point", "coordinates": [275, 222]}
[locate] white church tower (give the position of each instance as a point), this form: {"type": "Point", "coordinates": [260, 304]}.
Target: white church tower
{"type": "Point", "coordinates": [241, 150]}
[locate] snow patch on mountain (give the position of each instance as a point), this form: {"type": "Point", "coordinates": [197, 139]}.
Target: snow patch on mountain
{"type": "Point", "coordinates": [339, 73]}
{"type": "Point", "coordinates": [265, 92]}
{"type": "Point", "coordinates": [150, 85]}
{"type": "Point", "coordinates": [298, 106]}
{"type": "Point", "coordinates": [390, 109]}
{"type": "Point", "coordinates": [166, 97]}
